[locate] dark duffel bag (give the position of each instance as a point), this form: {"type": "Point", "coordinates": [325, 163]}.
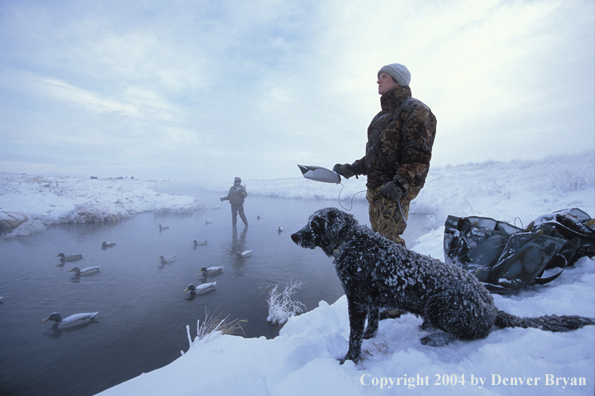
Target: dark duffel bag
{"type": "Point", "coordinates": [506, 258]}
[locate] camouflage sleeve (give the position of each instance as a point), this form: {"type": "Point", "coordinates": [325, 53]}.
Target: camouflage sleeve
{"type": "Point", "coordinates": [419, 131]}
{"type": "Point", "coordinates": [359, 166]}
{"type": "Point", "coordinates": [228, 196]}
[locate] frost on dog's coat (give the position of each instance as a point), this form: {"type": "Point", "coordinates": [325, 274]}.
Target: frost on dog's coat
{"type": "Point", "coordinates": [378, 273]}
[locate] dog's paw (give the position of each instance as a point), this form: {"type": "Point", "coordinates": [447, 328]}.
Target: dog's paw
{"type": "Point", "coordinates": [355, 361]}
{"type": "Point", "coordinates": [437, 339]}
{"type": "Point", "coordinates": [355, 358]}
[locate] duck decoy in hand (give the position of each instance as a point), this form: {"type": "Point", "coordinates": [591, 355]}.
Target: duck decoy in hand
{"type": "Point", "coordinates": [201, 289]}
{"type": "Point", "coordinates": [70, 321]}
{"type": "Point", "coordinates": [167, 260]}
{"type": "Point", "coordinates": [107, 244]}
{"type": "Point", "coordinates": [201, 243]}
{"type": "Point", "coordinates": [210, 270]}
{"type": "Point", "coordinates": [162, 228]}
{"type": "Point", "coordinates": [70, 257]}
{"type": "Point", "coordinates": [85, 271]}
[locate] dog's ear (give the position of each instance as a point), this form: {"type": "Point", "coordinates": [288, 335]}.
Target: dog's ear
{"type": "Point", "coordinates": [336, 221]}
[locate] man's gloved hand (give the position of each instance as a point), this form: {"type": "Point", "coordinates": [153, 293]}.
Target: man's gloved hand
{"type": "Point", "coordinates": [345, 170]}
{"type": "Point", "coordinates": [392, 191]}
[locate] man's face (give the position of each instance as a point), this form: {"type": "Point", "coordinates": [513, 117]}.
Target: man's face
{"type": "Point", "coordinates": [386, 83]}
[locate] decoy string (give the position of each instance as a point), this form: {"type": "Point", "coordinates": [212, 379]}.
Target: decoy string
{"type": "Point", "coordinates": [351, 206]}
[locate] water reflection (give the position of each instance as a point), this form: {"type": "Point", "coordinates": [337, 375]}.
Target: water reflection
{"type": "Point", "coordinates": [238, 242]}
{"type": "Point", "coordinates": [55, 333]}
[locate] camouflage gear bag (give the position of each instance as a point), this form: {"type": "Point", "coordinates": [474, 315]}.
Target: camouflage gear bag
{"type": "Point", "coordinates": [506, 258]}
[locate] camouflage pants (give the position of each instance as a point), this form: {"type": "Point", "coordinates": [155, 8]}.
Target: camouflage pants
{"type": "Point", "coordinates": [385, 216]}
{"type": "Point", "coordinates": [235, 210]}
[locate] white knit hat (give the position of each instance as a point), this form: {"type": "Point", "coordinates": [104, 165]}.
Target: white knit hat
{"type": "Point", "coordinates": [398, 72]}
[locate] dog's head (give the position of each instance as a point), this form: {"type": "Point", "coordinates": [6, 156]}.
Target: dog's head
{"type": "Point", "coordinates": [327, 228]}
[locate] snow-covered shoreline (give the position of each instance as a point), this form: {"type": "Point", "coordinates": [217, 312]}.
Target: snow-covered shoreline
{"type": "Point", "coordinates": [31, 203]}
{"type": "Point", "coordinates": [490, 189]}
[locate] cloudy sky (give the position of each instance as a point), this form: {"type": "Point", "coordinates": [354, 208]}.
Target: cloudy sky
{"type": "Point", "coordinates": [207, 90]}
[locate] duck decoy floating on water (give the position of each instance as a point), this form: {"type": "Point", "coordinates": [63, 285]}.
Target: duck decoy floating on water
{"type": "Point", "coordinates": [86, 271]}
{"type": "Point", "coordinates": [70, 257]}
{"type": "Point", "coordinates": [200, 289]}
{"type": "Point", "coordinates": [70, 321]}
{"type": "Point", "coordinates": [245, 253]}
{"type": "Point", "coordinates": [197, 243]}
{"type": "Point", "coordinates": [207, 222]}
{"type": "Point", "coordinates": [210, 270]}
{"type": "Point", "coordinates": [258, 217]}
{"type": "Point", "coordinates": [108, 244]}
{"type": "Point", "coordinates": [167, 260]}
{"type": "Point", "coordinates": [162, 228]}
{"type": "Point", "coordinates": [280, 230]}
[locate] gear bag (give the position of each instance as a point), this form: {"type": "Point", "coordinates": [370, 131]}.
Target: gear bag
{"type": "Point", "coordinates": [506, 258]}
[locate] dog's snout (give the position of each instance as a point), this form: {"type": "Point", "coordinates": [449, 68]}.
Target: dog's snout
{"type": "Point", "coordinates": [295, 237]}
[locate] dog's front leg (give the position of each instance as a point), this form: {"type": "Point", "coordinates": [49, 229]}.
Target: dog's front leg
{"type": "Point", "coordinates": [357, 320]}
{"type": "Point", "coordinates": [372, 324]}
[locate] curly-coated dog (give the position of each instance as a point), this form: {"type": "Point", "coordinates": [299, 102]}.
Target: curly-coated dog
{"type": "Point", "coordinates": [378, 273]}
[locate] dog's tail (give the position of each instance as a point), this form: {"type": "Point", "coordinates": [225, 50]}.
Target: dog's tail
{"type": "Point", "coordinates": [552, 323]}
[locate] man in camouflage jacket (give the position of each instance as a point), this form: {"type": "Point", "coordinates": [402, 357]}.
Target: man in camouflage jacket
{"type": "Point", "coordinates": [398, 153]}
{"type": "Point", "coordinates": [236, 196]}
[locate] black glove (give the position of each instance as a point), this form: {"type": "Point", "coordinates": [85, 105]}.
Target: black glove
{"type": "Point", "coordinates": [392, 191]}
{"type": "Point", "coordinates": [345, 170]}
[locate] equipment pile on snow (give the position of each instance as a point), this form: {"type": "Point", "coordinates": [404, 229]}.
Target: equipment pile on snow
{"type": "Point", "coordinates": [506, 258]}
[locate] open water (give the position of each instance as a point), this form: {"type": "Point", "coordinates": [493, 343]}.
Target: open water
{"type": "Point", "coordinates": [143, 311]}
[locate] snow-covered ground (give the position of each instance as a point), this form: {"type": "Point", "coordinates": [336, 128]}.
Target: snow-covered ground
{"type": "Point", "coordinates": [31, 203]}
{"type": "Point", "coordinates": [302, 360]}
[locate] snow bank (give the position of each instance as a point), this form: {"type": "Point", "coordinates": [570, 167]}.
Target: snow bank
{"type": "Point", "coordinates": [516, 191]}
{"type": "Point", "coordinates": [30, 203]}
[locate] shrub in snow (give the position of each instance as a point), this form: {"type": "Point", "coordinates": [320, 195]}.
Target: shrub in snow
{"type": "Point", "coordinates": [213, 326]}
{"type": "Point", "coordinates": [281, 306]}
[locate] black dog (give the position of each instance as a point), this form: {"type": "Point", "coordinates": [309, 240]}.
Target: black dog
{"type": "Point", "coordinates": [378, 273]}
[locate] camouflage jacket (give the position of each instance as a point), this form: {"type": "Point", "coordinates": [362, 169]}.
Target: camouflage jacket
{"type": "Point", "coordinates": [400, 139]}
{"type": "Point", "coordinates": [236, 195]}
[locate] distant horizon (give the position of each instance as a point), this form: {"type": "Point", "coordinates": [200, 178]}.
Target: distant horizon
{"type": "Point", "coordinates": [298, 174]}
